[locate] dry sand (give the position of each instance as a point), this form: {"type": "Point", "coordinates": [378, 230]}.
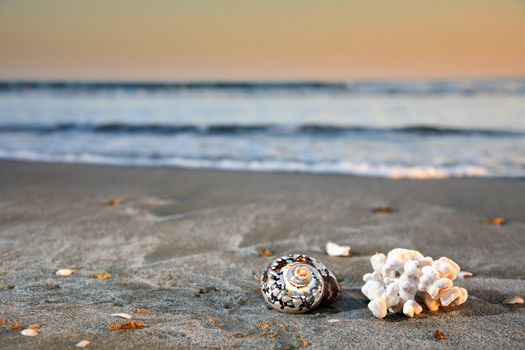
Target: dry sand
{"type": "Point", "coordinates": [184, 244]}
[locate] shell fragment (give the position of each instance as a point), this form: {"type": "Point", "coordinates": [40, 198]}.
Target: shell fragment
{"type": "Point", "coordinates": [465, 274]}
{"type": "Point", "coordinates": [514, 300]}
{"type": "Point", "coordinates": [83, 343]}
{"type": "Point", "coordinates": [29, 332]}
{"type": "Point", "coordinates": [65, 272]}
{"type": "Point", "coordinates": [334, 249]}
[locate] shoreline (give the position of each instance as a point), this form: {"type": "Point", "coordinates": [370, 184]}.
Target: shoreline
{"type": "Point", "coordinates": [246, 171]}
{"type": "Point", "coordinates": [183, 243]}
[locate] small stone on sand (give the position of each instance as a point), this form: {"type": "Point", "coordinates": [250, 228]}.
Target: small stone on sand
{"type": "Point", "coordinates": [102, 276]}
{"type": "Point", "coordinates": [214, 321]}
{"type": "Point", "coordinates": [263, 326]}
{"type": "Point", "coordinates": [266, 252]}
{"type": "Point", "coordinates": [498, 220]}
{"type": "Point", "coordinates": [114, 202]}
{"type": "Point", "coordinates": [439, 335]}
{"type": "Point", "coordinates": [122, 315]}
{"type": "Point", "coordinates": [65, 272]}
{"type": "Point", "coordinates": [83, 343]}
{"type": "Point", "coordinates": [128, 325]}
{"type": "Point", "coordinates": [514, 300]}
{"type": "Point", "coordinates": [333, 320]}
{"type": "Point", "coordinates": [142, 310]}
{"type": "Point", "coordinates": [29, 332]}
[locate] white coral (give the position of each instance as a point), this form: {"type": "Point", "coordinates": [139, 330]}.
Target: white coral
{"type": "Point", "coordinates": [398, 277]}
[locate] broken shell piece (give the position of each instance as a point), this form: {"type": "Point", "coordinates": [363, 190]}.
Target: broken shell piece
{"type": "Point", "coordinates": [514, 300]}
{"type": "Point", "coordinates": [464, 274]}
{"type": "Point", "coordinates": [266, 252]}
{"type": "Point", "coordinates": [128, 325]}
{"type": "Point", "coordinates": [65, 272]}
{"type": "Point", "coordinates": [297, 284]}
{"type": "Point", "coordinates": [83, 343]}
{"type": "Point", "coordinates": [334, 249]}
{"type": "Point", "coordinates": [122, 315]}
{"type": "Point", "coordinates": [400, 275]}
{"type": "Point", "coordinates": [102, 276]}
{"type": "Point", "coordinates": [114, 202]}
{"type": "Point", "coordinates": [29, 332]}
{"type": "Point", "coordinates": [498, 220]}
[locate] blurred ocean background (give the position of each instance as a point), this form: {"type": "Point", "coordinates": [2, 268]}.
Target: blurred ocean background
{"type": "Point", "coordinates": [395, 129]}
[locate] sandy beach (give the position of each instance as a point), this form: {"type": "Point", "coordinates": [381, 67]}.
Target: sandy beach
{"type": "Point", "coordinates": [182, 247]}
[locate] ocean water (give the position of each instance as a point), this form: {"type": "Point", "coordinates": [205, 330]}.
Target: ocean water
{"type": "Point", "coordinates": [395, 129]}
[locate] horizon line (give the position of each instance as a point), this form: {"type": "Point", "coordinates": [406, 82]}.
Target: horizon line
{"type": "Point", "coordinates": [255, 81]}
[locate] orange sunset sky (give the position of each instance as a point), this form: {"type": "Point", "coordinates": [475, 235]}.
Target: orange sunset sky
{"type": "Point", "coordinates": [263, 40]}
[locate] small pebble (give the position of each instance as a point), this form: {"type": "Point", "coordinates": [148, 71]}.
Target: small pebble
{"type": "Point", "coordinates": [29, 332]}
{"type": "Point", "coordinates": [214, 321]}
{"type": "Point", "coordinates": [114, 202]}
{"type": "Point", "coordinates": [8, 286]}
{"type": "Point", "coordinates": [383, 210]}
{"type": "Point", "coordinates": [142, 310]}
{"type": "Point", "coordinates": [83, 343]}
{"type": "Point", "coordinates": [122, 315]}
{"type": "Point", "coordinates": [514, 300]}
{"type": "Point", "coordinates": [34, 326]}
{"type": "Point", "coordinates": [129, 325]}
{"type": "Point", "coordinates": [263, 326]}
{"type": "Point", "coordinates": [65, 272]}
{"type": "Point", "coordinates": [439, 335]}
{"type": "Point", "coordinates": [103, 276]}
{"type": "Point", "coordinates": [333, 320]}
{"type": "Point", "coordinates": [498, 220]}
{"type": "Point", "coordinates": [266, 252]}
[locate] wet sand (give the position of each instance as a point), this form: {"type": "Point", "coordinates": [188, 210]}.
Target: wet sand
{"type": "Point", "coordinates": [184, 244]}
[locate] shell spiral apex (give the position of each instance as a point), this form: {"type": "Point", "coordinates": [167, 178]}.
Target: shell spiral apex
{"type": "Point", "coordinates": [298, 283]}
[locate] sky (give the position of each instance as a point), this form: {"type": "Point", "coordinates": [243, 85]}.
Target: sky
{"type": "Point", "coordinates": [260, 40]}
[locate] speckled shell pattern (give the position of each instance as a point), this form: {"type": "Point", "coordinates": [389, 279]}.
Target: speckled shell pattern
{"type": "Point", "coordinates": [297, 284]}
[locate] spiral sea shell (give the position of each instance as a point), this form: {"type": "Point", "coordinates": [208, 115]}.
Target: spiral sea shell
{"type": "Point", "coordinates": [297, 284]}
